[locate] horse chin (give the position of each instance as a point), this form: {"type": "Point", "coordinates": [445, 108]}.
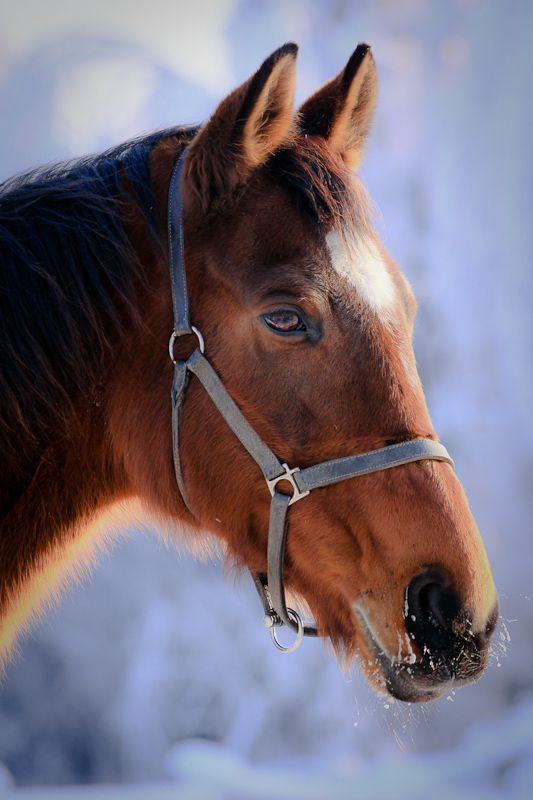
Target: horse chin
{"type": "Point", "coordinates": [416, 680]}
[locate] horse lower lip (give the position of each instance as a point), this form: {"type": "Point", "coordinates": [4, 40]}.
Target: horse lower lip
{"type": "Point", "coordinates": [422, 681]}
{"type": "Point", "coordinates": [413, 687]}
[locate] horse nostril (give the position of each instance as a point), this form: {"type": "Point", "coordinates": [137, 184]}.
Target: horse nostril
{"type": "Point", "coordinates": [441, 606]}
{"type": "Point", "coordinates": [433, 612]}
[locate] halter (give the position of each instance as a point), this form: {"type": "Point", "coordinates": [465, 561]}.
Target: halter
{"type": "Point", "coordinates": [270, 587]}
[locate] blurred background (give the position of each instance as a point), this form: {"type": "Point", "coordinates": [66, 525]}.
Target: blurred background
{"type": "Point", "coordinates": [156, 649]}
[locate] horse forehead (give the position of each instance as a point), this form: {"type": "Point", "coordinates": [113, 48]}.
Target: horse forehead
{"type": "Point", "coordinates": [357, 258]}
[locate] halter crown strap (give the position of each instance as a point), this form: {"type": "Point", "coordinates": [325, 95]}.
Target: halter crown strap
{"type": "Point", "coordinates": [176, 245]}
{"type": "Point", "coordinates": [180, 303]}
{"type": "Point", "coordinates": [270, 587]}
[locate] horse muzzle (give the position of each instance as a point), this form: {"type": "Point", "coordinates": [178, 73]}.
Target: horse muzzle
{"type": "Point", "coordinates": [439, 646]}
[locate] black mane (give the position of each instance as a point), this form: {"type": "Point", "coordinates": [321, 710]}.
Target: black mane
{"type": "Point", "coordinates": [64, 260]}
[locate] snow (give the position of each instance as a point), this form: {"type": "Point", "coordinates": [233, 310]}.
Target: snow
{"type": "Point", "coordinates": [159, 680]}
{"type": "Point", "coordinates": [492, 762]}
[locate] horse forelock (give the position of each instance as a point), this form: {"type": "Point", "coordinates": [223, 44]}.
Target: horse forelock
{"type": "Point", "coordinates": [320, 184]}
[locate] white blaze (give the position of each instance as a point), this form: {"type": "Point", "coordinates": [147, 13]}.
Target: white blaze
{"type": "Point", "coordinates": [361, 263]}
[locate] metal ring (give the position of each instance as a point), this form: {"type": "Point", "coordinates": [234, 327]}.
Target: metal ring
{"type": "Point", "coordinates": [299, 636]}
{"type": "Point", "coordinates": [174, 335]}
{"type": "Point", "coordinates": [200, 338]}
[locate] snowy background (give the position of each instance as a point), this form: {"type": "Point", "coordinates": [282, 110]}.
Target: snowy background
{"type": "Point", "coordinates": [158, 671]}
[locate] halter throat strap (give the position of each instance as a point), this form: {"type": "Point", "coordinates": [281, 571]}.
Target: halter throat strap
{"type": "Point", "coordinates": [271, 586]}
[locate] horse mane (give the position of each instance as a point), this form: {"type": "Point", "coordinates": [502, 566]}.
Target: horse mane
{"type": "Point", "coordinates": [69, 276]}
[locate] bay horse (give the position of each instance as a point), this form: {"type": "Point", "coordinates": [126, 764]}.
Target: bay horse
{"type": "Point", "coordinates": [301, 336]}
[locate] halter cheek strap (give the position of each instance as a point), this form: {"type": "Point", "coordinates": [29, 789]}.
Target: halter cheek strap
{"type": "Point", "coordinates": [270, 587]}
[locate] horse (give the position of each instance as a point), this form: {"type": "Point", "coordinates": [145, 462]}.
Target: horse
{"type": "Point", "coordinates": [255, 228]}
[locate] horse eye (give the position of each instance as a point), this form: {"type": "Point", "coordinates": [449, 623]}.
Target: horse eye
{"type": "Point", "coordinates": [285, 321]}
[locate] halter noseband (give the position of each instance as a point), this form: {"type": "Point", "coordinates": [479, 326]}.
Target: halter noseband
{"type": "Point", "coordinates": [270, 587]}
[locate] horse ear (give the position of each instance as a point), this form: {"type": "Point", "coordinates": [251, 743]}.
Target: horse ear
{"type": "Point", "coordinates": [249, 125]}
{"type": "Point", "coordinates": [341, 111]}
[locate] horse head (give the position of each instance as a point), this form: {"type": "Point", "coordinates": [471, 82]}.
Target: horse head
{"type": "Point", "coordinates": [307, 321]}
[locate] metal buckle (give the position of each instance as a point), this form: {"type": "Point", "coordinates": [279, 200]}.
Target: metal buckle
{"type": "Point", "coordinates": [287, 476]}
{"type": "Point", "coordinates": [174, 335]}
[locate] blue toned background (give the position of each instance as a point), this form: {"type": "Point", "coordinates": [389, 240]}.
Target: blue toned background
{"type": "Point", "coordinates": [158, 670]}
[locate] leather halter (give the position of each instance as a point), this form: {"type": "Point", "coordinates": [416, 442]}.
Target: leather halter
{"type": "Point", "coordinates": [270, 587]}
